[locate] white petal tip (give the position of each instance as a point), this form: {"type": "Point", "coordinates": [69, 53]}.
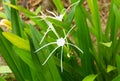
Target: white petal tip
{"type": "Point", "coordinates": [34, 52]}
{"type": "Point", "coordinates": [82, 52]}
{"type": "Point", "coordinates": [43, 64]}
{"type": "Point", "coordinates": [61, 71]}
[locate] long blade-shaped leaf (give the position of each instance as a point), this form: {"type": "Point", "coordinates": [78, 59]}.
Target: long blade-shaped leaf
{"type": "Point", "coordinates": [7, 10]}
{"type": "Point", "coordinates": [29, 14]}
{"type": "Point", "coordinates": [17, 41]}
{"type": "Point", "coordinates": [95, 18]}
{"type": "Point", "coordinates": [59, 5]}
{"type": "Point", "coordinates": [15, 21]}
{"type": "Point", "coordinates": [83, 41]}
{"type": "Point", "coordinates": [8, 54]}
{"type": "Point", "coordinates": [90, 77]}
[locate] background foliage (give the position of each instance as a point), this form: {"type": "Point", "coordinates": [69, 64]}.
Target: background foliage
{"type": "Point", "coordinates": [99, 62]}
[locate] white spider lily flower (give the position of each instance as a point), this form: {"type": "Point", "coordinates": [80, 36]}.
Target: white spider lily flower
{"type": "Point", "coordinates": [59, 17]}
{"type": "Point", "coordinates": [60, 42]}
{"type": "Point", "coordinates": [50, 25]}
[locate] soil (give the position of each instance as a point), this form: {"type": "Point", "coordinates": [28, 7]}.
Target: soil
{"type": "Point", "coordinates": [2, 62]}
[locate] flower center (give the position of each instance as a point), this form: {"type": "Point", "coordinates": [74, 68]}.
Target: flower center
{"type": "Point", "coordinates": [61, 42]}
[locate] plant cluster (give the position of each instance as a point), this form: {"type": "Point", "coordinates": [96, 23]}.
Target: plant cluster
{"type": "Point", "coordinates": [62, 50]}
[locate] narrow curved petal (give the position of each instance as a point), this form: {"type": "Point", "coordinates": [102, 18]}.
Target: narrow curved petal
{"type": "Point", "coordinates": [45, 46]}
{"type": "Point", "coordinates": [75, 3]}
{"type": "Point", "coordinates": [50, 25]}
{"type": "Point", "coordinates": [61, 59]}
{"type": "Point", "coordinates": [75, 47]}
{"type": "Point", "coordinates": [51, 13]}
{"type": "Point", "coordinates": [45, 35]}
{"type": "Point", "coordinates": [50, 55]}
{"type": "Point", "coordinates": [69, 32]}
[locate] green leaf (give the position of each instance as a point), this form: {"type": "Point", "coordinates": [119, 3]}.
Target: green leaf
{"type": "Point", "coordinates": [10, 57]}
{"type": "Point", "coordinates": [7, 9]}
{"type": "Point", "coordinates": [114, 29]}
{"type": "Point", "coordinates": [84, 42]}
{"type": "Point", "coordinates": [25, 56]}
{"type": "Point", "coordinates": [59, 5]}
{"type": "Point", "coordinates": [73, 1]}
{"type": "Point", "coordinates": [31, 15]}
{"type": "Point", "coordinates": [107, 44]}
{"type": "Point", "coordinates": [116, 78]}
{"type": "Point", "coordinates": [70, 16]}
{"type": "Point", "coordinates": [90, 77]}
{"type": "Point", "coordinates": [5, 69]}
{"type": "Point", "coordinates": [17, 41]}
{"type": "Point", "coordinates": [110, 21]}
{"type": "Point", "coordinates": [110, 68]}
{"type": "Point", "coordinates": [1, 79]}
{"type": "Point", "coordinates": [16, 20]}
{"type": "Point", "coordinates": [2, 15]}
{"type": "Point", "coordinates": [20, 8]}
{"type": "Point", "coordinates": [117, 2]}
{"type": "Point", "coordinates": [95, 18]}
{"type": "Point", "coordinates": [58, 23]}
{"type": "Point", "coordinates": [118, 63]}
{"type": "Point", "coordinates": [117, 16]}
{"type": "Point", "coordinates": [37, 11]}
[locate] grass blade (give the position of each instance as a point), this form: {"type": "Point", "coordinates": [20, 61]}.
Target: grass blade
{"type": "Point", "coordinates": [90, 77]}
{"type": "Point", "coordinates": [7, 9]}
{"type": "Point", "coordinates": [59, 5]}
{"type": "Point", "coordinates": [15, 21]}
{"type": "Point", "coordinates": [83, 42]}
{"type": "Point", "coordinates": [95, 18]}
{"type": "Point", "coordinates": [17, 41]}
{"type": "Point", "coordinates": [8, 54]}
